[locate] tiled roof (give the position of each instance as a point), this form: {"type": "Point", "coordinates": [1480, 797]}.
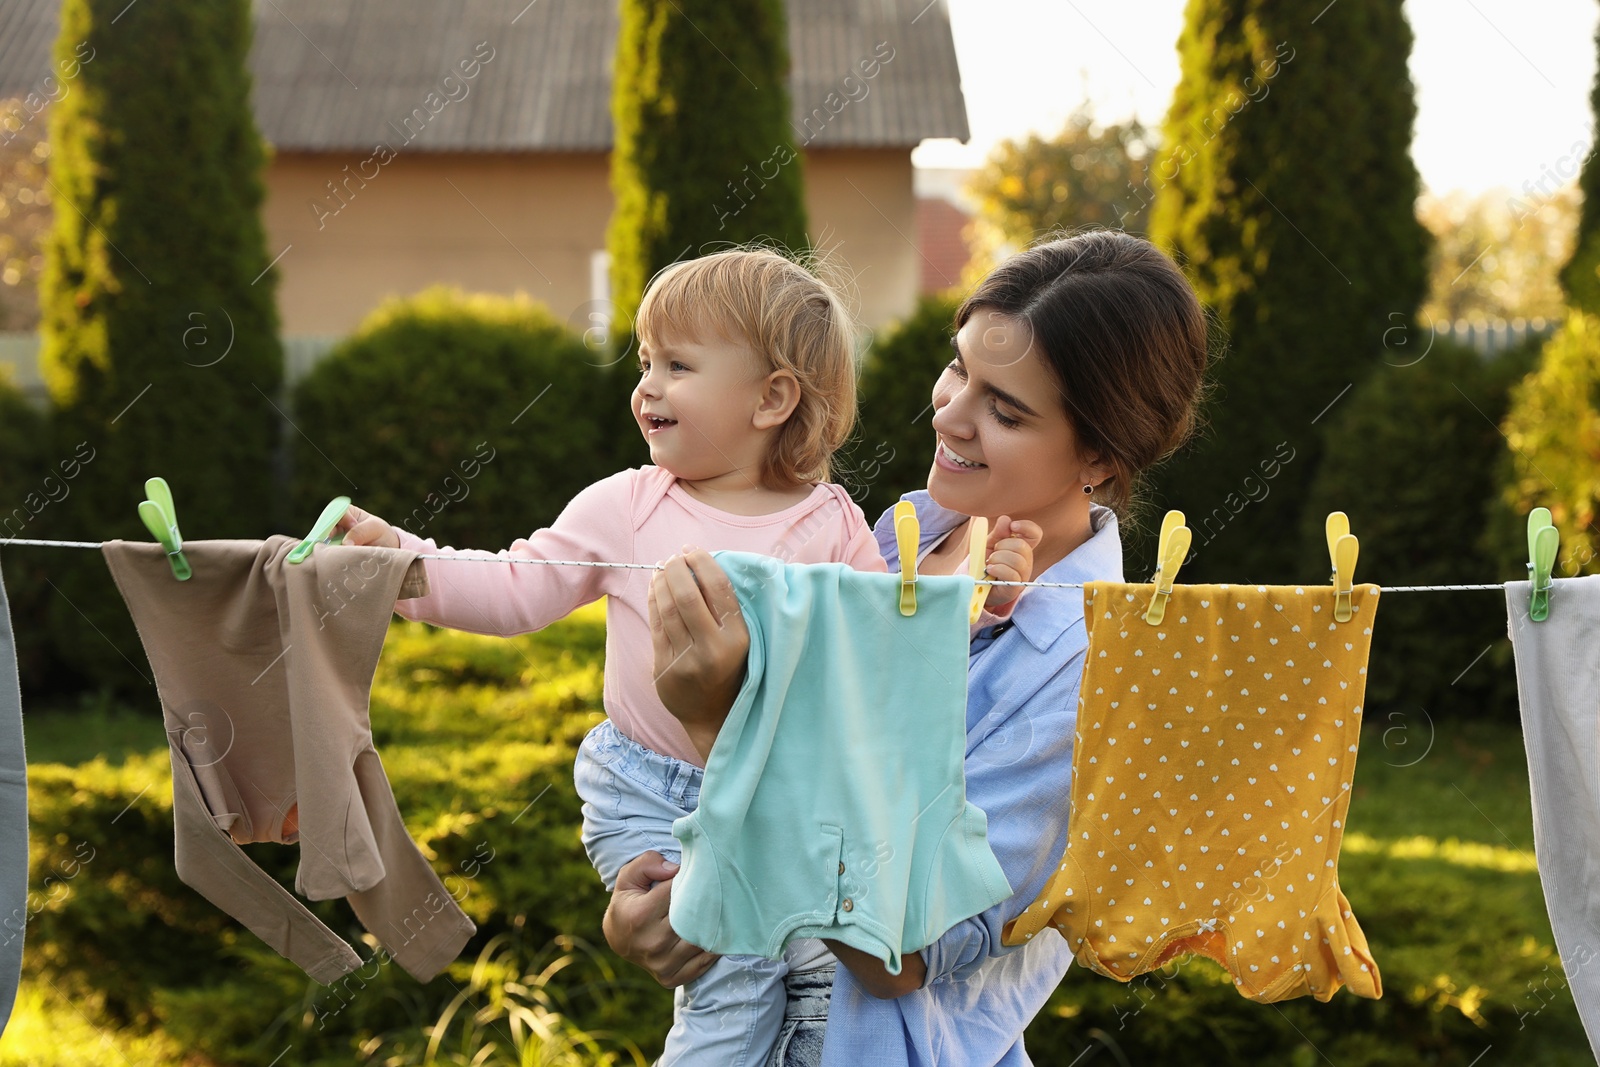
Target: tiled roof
{"type": "Point", "coordinates": [342, 74]}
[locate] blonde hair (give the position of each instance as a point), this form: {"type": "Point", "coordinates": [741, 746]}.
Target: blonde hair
{"type": "Point", "coordinates": [792, 320]}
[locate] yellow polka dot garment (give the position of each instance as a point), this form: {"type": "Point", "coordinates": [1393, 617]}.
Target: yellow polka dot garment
{"type": "Point", "coordinates": [1211, 782]}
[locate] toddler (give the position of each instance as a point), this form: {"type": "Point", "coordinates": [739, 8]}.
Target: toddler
{"type": "Point", "coordinates": [746, 389]}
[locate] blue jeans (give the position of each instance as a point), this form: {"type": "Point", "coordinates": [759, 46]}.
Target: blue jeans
{"type": "Point", "coordinates": [805, 1018]}
{"type": "Point", "coordinates": [730, 1015]}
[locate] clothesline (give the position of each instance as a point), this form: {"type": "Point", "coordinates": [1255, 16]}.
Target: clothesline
{"type": "Point", "coordinates": [1497, 586]}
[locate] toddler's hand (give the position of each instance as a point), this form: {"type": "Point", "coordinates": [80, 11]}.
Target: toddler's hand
{"type": "Point", "coordinates": [361, 528]}
{"type": "Point", "coordinates": [1011, 545]}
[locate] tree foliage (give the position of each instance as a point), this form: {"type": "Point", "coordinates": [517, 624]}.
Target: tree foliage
{"type": "Point", "coordinates": [1581, 276]}
{"type": "Point", "coordinates": [1497, 256]}
{"type": "Point", "coordinates": [160, 331]}
{"type": "Point", "coordinates": [704, 155]}
{"type": "Point", "coordinates": [1554, 431]}
{"type": "Point", "coordinates": [1297, 225]}
{"type": "Point", "coordinates": [1086, 176]}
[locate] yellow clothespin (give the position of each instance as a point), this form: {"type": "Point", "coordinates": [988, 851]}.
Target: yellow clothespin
{"type": "Point", "coordinates": [1342, 550]}
{"type": "Point", "coordinates": [977, 553]}
{"type": "Point", "coordinates": [1170, 552]}
{"type": "Point", "coordinates": [906, 531]}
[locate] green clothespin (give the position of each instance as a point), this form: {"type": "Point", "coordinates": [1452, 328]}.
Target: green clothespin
{"type": "Point", "coordinates": [1543, 541]}
{"type": "Point", "coordinates": [320, 532]}
{"type": "Point", "coordinates": [161, 518]}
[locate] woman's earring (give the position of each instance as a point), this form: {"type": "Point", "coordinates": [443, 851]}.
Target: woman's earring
{"type": "Point", "coordinates": [1087, 489]}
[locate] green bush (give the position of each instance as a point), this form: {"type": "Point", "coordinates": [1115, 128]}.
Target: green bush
{"type": "Point", "coordinates": [892, 448]}
{"type": "Point", "coordinates": [470, 419]}
{"type": "Point", "coordinates": [1554, 431]}
{"type": "Point", "coordinates": [25, 495]}
{"type": "Point", "coordinates": [621, 360]}
{"type": "Point", "coordinates": [1412, 456]}
{"type": "Point", "coordinates": [109, 919]}
{"type": "Point", "coordinates": [21, 461]}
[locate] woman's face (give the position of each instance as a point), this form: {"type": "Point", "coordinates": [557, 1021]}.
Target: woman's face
{"type": "Point", "coordinates": [1004, 446]}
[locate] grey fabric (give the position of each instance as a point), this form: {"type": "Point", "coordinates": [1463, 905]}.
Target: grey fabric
{"type": "Point", "coordinates": [1558, 688]}
{"type": "Point", "coordinates": [13, 817]}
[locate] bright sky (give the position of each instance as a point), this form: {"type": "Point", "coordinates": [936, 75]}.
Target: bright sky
{"type": "Point", "coordinates": [1502, 85]}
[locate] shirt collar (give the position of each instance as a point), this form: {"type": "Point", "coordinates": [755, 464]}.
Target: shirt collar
{"type": "Point", "coordinates": [1042, 615]}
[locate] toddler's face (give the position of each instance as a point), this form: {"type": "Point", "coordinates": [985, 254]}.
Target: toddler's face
{"type": "Point", "coordinates": [694, 404]}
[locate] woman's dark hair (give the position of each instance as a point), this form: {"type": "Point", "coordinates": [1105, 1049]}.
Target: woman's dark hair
{"type": "Point", "coordinates": [1125, 337]}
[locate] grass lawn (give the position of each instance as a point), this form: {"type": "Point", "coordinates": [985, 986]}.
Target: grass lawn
{"type": "Point", "coordinates": [477, 735]}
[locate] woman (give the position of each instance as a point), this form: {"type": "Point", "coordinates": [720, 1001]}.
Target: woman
{"type": "Point", "coordinates": [1078, 364]}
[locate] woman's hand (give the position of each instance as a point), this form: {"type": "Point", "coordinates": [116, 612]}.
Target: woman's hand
{"type": "Point", "coordinates": [700, 641]}
{"type": "Point", "coordinates": [636, 924]}
{"type": "Point", "coordinates": [1010, 558]}
{"type": "Point", "coordinates": [362, 528]}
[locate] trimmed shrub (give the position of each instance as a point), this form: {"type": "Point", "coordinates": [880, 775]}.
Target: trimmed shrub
{"type": "Point", "coordinates": [1412, 456]}
{"type": "Point", "coordinates": [470, 419]}
{"type": "Point", "coordinates": [892, 448]}
{"type": "Point", "coordinates": [28, 489]}
{"type": "Point", "coordinates": [21, 461]}
{"type": "Point", "coordinates": [621, 360]}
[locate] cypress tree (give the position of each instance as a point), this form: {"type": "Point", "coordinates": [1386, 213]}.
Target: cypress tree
{"type": "Point", "coordinates": [704, 154]}
{"type": "Point", "coordinates": [160, 332]}
{"type": "Point", "coordinates": [1286, 189]}
{"type": "Point", "coordinates": [1580, 278]}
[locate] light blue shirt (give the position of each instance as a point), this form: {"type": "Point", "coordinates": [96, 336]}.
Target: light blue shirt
{"type": "Point", "coordinates": [1022, 711]}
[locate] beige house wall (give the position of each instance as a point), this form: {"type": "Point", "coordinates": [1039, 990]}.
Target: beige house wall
{"type": "Point", "coordinates": [489, 223]}
{"type": "Point", "coordinates": [532, 223]}
{"type": "Point", "coordinates": [860, 206]}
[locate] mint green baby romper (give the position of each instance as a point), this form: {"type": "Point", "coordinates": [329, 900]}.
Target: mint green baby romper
{"type": "Point", "coordinates": [834, 802]}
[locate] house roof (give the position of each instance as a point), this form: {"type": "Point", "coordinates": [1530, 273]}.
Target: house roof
{"type": "Point", "coordinates": [333, 75]}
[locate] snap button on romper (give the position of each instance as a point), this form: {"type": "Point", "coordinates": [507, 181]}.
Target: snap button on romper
{"type": "Point", "coordinates": [1211, 783]}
